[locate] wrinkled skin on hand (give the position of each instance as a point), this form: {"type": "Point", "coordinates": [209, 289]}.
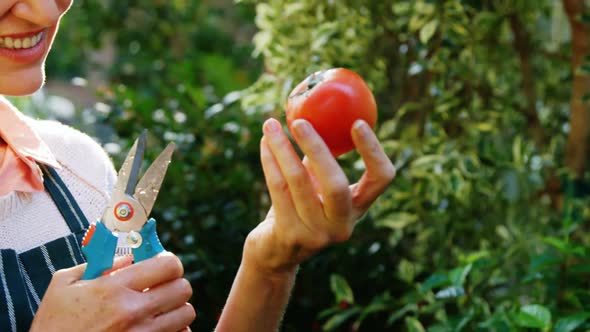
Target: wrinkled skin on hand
{"type": "Point", "coordinates": [148, 296]}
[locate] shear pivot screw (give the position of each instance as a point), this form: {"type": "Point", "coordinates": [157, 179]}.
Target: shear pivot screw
{"type": "Point", "coordinates": [134, 239]}
{"type": "Point", "coordinates": [123, 211]}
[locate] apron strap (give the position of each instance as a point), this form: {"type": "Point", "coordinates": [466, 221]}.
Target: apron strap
{"type": "Point", "coordinates": [67, 205]}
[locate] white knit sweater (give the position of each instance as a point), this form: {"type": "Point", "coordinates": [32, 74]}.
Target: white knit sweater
{"type": "Point", "coordinates": [29, 220]}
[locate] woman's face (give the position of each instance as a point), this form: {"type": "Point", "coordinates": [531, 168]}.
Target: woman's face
{"type": "Point", "coordinates": [27, 29]}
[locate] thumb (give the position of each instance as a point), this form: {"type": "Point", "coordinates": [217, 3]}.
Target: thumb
{"type": "Point", "coordinates": [70, 275]}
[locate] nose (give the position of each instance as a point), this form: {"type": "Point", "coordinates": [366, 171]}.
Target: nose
{"type": "Point", "coordinates": [44, 13]}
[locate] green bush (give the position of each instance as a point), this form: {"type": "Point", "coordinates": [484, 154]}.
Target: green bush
{"type": "Point", "coordinates": [474, 109]}
{"type": "Point", "coordinates": [485, 226]}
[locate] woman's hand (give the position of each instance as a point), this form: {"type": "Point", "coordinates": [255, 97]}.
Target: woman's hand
{"type": "Point", "coordinates": [147, 296]}
{"type": "Point", "coordinates": [313, 204]}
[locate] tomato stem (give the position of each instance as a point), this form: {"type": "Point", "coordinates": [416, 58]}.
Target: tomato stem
{"type": "Point", "coordinates": [314, 79]}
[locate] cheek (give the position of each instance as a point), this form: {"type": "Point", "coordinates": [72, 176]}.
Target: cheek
{"type": "Point", "coordinates": [64, 5]}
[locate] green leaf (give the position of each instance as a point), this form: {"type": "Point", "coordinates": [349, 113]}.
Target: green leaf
{"type": "Point", "coordinates": [499, 322]}
{"type": "Point", "coordinates": [462, 323]}
{"type": "Point", "coordinates": [544, 262]}
{"type": "Point", "coordinates": [424, 8]}
{"type": "Point", "coordinates": [565, 247]}
{"type": "Point", "coordinates": [329, 312]}
{"type": "Point", "coordinates": [485, 126]}
{"type": "Point", "coordinates": [458, 275]}
{"type": "Point", "coordinates": [416, 22]}
{"type": "Point", "coordinates": [341, 289]}
{"type": "Point", "coordinates": [476, 256]}
{"type": "Point", "coordinates": [428, 31]}
{"type": "Point", "coordinates": [570, 323]}
{"type": "Point", "coordinates": [435, 280]}
{"type": "Point", "coordinates": [407, 270]}
{"type": "Point", "coordinates": [400, 8]}
{"type": "Point", "coordinates": [387, 128]}
{"type": "Point", "coordinates": [410, 307]}
{"type": "Point", "coordinates": [397, 220]}
{"type": "Point", "coordinates": [460, 29]}
{"type": "Point", "coordinates": [428, 161]}
{"type": "Point", "coordinates": [534, 316]}
{"type": "Point", "coordinates": [414, 325]}
{"type": "Point", "coordinates": [558, 244]}
{"type": "Point", "coordinates": [339, 319]}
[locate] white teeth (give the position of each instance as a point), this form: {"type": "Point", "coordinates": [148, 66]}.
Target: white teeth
{"type": "Point", "coordinates": [21, 43]}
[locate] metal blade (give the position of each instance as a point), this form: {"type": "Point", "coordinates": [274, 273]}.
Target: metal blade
{"type": "Point", "coordinates": [133, 174]}
{"type": "Point", "coordinates": [125, 170]}
{"type": "Point", "coordinates": [148, 187]}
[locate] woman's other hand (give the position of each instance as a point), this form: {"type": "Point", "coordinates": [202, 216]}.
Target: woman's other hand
{"type": "Point", "coordinates": [313, 203]}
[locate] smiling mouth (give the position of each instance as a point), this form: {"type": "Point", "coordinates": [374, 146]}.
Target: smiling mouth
{"type": "Point", "coordinates": [21, 43]}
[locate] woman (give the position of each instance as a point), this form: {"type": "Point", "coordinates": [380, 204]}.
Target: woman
{"type": "Point", "coordinates": [53, 179]}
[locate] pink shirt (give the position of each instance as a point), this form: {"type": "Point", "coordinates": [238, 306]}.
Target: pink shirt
{"type": "Point", "coordinates": [21, 149]}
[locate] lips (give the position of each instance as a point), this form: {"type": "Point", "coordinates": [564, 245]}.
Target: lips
{"type": "Point", "coordinates": [26, 42]}
{"type": "Point", "coordinates": [24, 48]}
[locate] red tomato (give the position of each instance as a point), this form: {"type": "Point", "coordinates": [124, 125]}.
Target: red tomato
{"type": "Point", "coordinates": [332, 100]}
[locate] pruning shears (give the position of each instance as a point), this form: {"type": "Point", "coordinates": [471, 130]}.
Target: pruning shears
{"type": "Point", "coordinates": [124, 228]}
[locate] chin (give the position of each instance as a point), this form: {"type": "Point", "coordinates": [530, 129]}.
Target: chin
{"type": "Point", "coordinates": [22, 83]}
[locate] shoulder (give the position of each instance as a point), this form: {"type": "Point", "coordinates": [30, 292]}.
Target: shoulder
{"type": "Point", "coordinates": [77, 152]}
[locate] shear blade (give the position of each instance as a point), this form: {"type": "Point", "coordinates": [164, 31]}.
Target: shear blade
{"type": "Point", "coordinates": [148, 187]}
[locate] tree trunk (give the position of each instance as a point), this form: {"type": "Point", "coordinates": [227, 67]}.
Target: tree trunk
{"type": "Point", "coordinates": [578, 141]}
{"type": "Point", "coordinates": [524, 47]}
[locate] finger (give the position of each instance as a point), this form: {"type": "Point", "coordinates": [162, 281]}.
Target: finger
{"type": "Point", "coordinates": [169, 296]}
{"type": "Point", "coordinates": [379, 168]}
{"type": "Point", "coordinates": [305, 199]}
{"type": "Point", "coordinates": [174, 320]}
{"type": "Point", "coordinates": [150, 272]}
{"type": "Point", "coordinates": [119, 263]}
{"type": "Point", "coordinates": [71, 275]}
{"type": "Point", "coordinates": [5, 5]}
{"type": "Point", "coordinates": [276, 183]}
{"type": "Point", "coordinates": [330, 176]}
{"type": "Point", "coordinates": [314, 179]}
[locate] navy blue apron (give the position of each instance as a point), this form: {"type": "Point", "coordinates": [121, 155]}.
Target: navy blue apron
{"type": "Point", "coordinates": [24, 277]}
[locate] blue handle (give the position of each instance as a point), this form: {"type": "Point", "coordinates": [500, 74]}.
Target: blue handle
{"type": "Point", "coordinates": [150, 245]}
{"type": "Point", "coordinates": [99, 252]}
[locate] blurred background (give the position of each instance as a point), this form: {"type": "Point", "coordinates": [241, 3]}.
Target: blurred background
{"type": "Point", "coordinates": [484, 106]}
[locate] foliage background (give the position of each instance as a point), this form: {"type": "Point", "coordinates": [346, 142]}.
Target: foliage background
{"type": "Point", "coordinates": [484, 107]}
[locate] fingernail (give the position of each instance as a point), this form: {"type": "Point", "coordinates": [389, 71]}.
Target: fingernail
{"type": "Point", "coordinates": [302, 127]}
{"type": "Point", "coordinates": [272, 126]}
{"type": "Point", "coordinates": [361, 127]}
